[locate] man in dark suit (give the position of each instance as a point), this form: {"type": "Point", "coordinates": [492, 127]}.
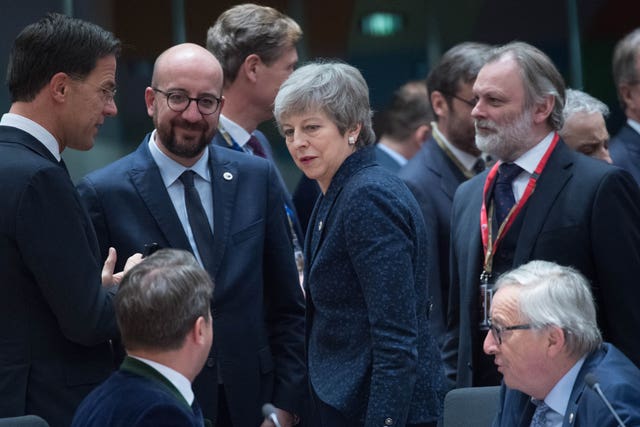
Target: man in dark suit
{"type": "Point", "coordinates": [178, 190]}
{"type": "Point", "coordinates": [545, 340]}
{"type": "Point", "coordinates": [583, 212]}
{"type": "Point", "coordinates": [625, 146]}
{"type": "Point", "coordinates": [446, 159]}
{"type": "Point", "coordinates": [163, 312]}
{"type": "Point", "coordinates": [404, 125]}
{"type": "Point", "coordinates": [256, 46]}
{"type": "Point", "coordinates": [56, 318]}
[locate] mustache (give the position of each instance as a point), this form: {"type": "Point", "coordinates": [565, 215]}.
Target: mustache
{"type": "Point", "coordinates": [487, 124]}
{"type": "Point", "coordinates": [189, 125]}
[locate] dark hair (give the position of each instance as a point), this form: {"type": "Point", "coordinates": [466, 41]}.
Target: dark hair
{"type": "Point", "coordinates": [460, 64]}
{"type": "Point", "coordinates": [54, 44]}
{"type": "Point", "coordinates": [408, 110]}
{"type": "Point", "coordinates": [160, 299]}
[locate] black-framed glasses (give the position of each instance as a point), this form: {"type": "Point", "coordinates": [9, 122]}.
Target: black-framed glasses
{"type": "Point", "coordinates": [497, 331]}
{"type": "Point", "coordinates": [470, 102]}
{"type": "Point", "coordinates": [179, 102]}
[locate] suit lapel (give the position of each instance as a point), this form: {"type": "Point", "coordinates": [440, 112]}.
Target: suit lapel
{"type": "Point", "coordinates": [554, 177]}
{"type": "Point", "coordinates": [145, 177]}
{"type": "Point", "coordinates": [224, 180]}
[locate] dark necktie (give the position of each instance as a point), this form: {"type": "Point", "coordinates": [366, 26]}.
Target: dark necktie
{"type": "Point", "coordinates": [503, 192]}
{"type": "Point", "coordinates": [198, 220]}
{"type": "Point", "coordinates": [255, 146]}
{"type": "Point", "coordinates": [197, 412]}
{"type": "Point", "coordinates": [478, 166]}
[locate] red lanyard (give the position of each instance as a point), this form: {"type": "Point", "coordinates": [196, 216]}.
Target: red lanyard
{"type": "Point", "coordinates": [489, 244]}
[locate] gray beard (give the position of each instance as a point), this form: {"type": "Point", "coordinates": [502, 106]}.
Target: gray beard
{"type": "Point", "coordinates": [510, 141]}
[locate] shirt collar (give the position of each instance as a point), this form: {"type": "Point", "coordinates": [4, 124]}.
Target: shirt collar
{"type": "Point", "coordinates": [467, 160]}
{"type": "Point", "coordinates": [178, 380]}
{"type": "Point", "coordinates": [530, 159]}
{"type": "Point", "coordinates": [634, 125]}
{"type": "Point", "coordinates": [393, 154]}
{"type": "Point", "coordinates": [558, 397]}
{"type": "Point", "coordinates": [235, 131]}
{"type": "Point", "coordinates": [170, 170]}
{"type": "Point", "coordinates": [34, 129]}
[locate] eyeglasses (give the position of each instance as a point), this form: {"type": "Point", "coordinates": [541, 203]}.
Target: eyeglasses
{"type": "Point", "coordinates": [497, 331]}
{"type": "Point", "coordinates": [469, 102]}
{"type": "Point", "coordinates": [106, 94]}
{"type": "Point", "coordinates": [179, 102]}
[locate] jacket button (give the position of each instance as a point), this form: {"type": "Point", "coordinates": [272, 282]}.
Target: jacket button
{"type": "Point", "coordinates": [210, 362]}
{"type": "Point", "coordinates": [388, 421]}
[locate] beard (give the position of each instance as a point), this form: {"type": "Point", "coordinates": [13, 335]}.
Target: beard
{"type": "Point", "coordinates": [183, 147]}
{"type": "Point", "coordinates": [461, 133]}
{"type": "Point", "coordinates": [508, 141]}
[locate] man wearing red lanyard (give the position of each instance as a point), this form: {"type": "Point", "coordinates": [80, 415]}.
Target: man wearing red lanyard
{"type": "Point", "coordinates": [540, 201]}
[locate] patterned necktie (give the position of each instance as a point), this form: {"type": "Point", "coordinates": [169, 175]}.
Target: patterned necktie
{"type": "Point", "coordinates": [255, 146]}
{"type": "Point", "coordinates": [198, 220]}
{"type": "Point", "coordinates": [503, 192]}
{"type": "Point", "coordinates": [539, 418]}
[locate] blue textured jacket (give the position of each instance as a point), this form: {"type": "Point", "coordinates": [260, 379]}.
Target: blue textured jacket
{"type": "Point", "coordinates": [370, 352]}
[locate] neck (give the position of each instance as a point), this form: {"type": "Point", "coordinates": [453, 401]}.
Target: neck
{"type": "Point", "coordinates": [405, 148]}
{"type": "Point", "coordinates": [467, 146]}
{"type": "Point", "coordinates": [174, 359]}
{"type": "Point", "coordinates": [44, 115]}
{"type": "Point", "coordinates": [241, 109]}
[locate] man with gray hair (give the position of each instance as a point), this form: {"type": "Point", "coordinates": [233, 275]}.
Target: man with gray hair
{"type": "Point", "coordinates": [584, 129]}
{"type": "Point", "coordinates": [545, 341]}
{"type": "Point", "coordinates": [625, 146]}
{"type": "Point", "coordinates": [164, 316]}
{"type": "Point", "coordinates": [447, 159]}
{"type": "Point", "coordinates": [541, 200]}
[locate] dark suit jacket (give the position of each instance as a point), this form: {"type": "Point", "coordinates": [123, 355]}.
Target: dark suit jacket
{"type": "Point", "coordinates": [619, 380]}
{"type": "Point", "coordinates": [624, 149]}
{"type": "Point", "coordinates": [264, 143]}
{"type": "Point", "coordinates": [370, 352]}
{"type": "Point", "coordinates": [55, 317]}
{"type": "Point", "coordinates": [583, 213]}
{"type": "Point", "coordinates": [433, 179]}
{"type": "Point", "coordinates": [135, 396]}
{"type": "Point", "coordinates": [258, 308]}
{"type": "Point", "coordinates": [385, 160]}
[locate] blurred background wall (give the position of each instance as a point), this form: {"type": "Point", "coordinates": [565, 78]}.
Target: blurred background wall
{"type": "Point", "coordinates": [390, 41]}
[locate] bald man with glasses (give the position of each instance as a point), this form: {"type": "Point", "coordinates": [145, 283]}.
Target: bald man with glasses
{"type": "Point", "coordinates": [178, 190]}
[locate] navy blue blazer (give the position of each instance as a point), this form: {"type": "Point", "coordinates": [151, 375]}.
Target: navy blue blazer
{"type": "Point", "coordinates": [370, 351]}
{"type": "Point", "coordinates": [619, 380]}
{"type": "Point", "coordinates": [583, 213]}
{"type": "Point", "coordinates": [385, 160]}
{"type": "Point", "coordinates": [624, 149]}
{"type": "Point", "coordinates": [258, 307]}
{"type": "Point", "coordinates": [136, 396]}
{"type": "Point", "coordinates": [433, 179]}
{"type": "Point", "coordinates": [56, 319]}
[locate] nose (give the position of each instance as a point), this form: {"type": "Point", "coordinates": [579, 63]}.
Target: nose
{"type": "Point", "coordinates": [604, 155]}
{"type": "Point", "coordinates": [490, 345]}
{"type": "Point", "coordinates": [476, 111]}
{"type": "Point", "coordinates": [192, 114]}
{"type": "Point", "coordinates": [110, 108]}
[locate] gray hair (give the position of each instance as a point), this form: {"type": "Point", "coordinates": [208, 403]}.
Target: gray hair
{"type": "Point", "coordinates": [460, 64]}
{"type": "Point", "coordinates": [578, 101]}
{"type": "Point", "coordinates": [540, 77]}
{"type": "Point", "coordinates": [335, 88]}
{"type": "Point", "coordinates": [248, 29]}
{"type": "Point", "coordinates": [160, 299]}
{"type": "Point", "coordinates": [625, 56]}
{"type": "Point", "coordinates": [557, 295]}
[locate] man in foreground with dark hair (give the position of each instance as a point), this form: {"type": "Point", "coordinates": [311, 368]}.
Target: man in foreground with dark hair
{"type": "Point", "coordinates": [546, 343]}
{"type": "Point", "coordinates": [164, 316]}
{"type": "Point", "coordinates": [56, 319]}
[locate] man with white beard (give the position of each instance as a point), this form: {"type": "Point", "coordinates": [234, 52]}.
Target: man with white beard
{"type": "Point", "coordinates": [541, 200]}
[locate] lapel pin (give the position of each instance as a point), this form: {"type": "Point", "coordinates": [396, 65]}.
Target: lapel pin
{"type": "Point", "coordinates": [571, 418]}
{"type": "Point", "coordinates": [228, 176]}
{"type": "Point", "coordinates": [320, 226]}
